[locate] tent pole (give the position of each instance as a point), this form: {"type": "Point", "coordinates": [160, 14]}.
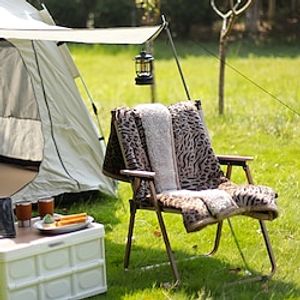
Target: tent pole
{"type": "Point", "coordinates": [95, 109]}
{"type": "Point", "coordinates": [176, 59]}
{"type": "Point", "coordinates": [81, 78]}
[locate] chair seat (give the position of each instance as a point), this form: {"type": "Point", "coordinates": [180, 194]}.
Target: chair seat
{"type": "Point", "coordinates": [201, 208]}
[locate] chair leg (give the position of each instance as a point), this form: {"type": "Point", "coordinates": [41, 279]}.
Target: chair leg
{"type": "Point", "coordinates": [168, 246]}
{"type": "Point", "coordinates": [263, 230]}
{"type": "Point", "coordinates": [130, 232]}
{"type": "Point", "coordinates": [270, 254]}
{"type": "Point", "coordinates": [217, 239]}
{"type": "Point", "coordinates": [269, 248]}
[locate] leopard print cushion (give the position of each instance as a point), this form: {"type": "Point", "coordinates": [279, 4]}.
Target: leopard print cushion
{"type": "Point", "coordinates": [259, 201]}
{"type": "Point", "coordinates": [200, 208]}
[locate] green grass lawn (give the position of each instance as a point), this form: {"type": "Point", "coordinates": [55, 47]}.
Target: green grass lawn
{"type": "Point", "coordinates": [254, 124]}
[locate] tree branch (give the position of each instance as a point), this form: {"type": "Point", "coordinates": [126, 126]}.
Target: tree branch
{"type": "Point", "coordinates": [228, 26]}
{"type": "Point", "coordinates": [237, 11]}
{"type": "Point", "coordinates": [223, 15]}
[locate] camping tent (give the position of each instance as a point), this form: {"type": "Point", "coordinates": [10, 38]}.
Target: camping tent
{"type": "Point", "coordinates": [43, 120]}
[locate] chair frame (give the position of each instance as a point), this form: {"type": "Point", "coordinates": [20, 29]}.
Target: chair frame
{"type": "Point", "coordinates": [136, 178]}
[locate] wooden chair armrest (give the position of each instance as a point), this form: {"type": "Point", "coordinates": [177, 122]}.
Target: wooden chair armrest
{"type": "Point", "coordinates": [234, 160]}
{"type": "Point", "coordinates": [138, 173]}
{"type": "Point", "coordinates": [138, 176]}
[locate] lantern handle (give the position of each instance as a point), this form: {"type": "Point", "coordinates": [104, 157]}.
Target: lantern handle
{"type": "Point", "coordinates": [165, 25]}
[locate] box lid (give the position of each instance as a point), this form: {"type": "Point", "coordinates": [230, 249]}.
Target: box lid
{"type": "Point", "coordinates": [29, 241]}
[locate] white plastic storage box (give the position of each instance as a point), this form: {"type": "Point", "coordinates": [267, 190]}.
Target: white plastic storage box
{"type": "Point", "coordinates": [65, 266]}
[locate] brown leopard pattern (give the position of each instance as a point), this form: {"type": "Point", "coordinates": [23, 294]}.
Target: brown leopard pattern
{"type": "Point", "coordinates": [133, 147]}
{"type": "Point", "coordinates": [197, 164]}
{"type": "Point", "coordinates": [113, 160]}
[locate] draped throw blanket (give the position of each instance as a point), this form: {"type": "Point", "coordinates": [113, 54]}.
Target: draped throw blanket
{"type": "Point", "coordinates": [174, 143]}
{"type": "Point", "coordinates": [157, 124]}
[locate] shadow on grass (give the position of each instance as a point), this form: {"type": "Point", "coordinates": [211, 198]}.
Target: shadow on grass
{"type": "Point", "coordinates": [208, 277]}
{"type": "Point", "coordinates": [205, 276]}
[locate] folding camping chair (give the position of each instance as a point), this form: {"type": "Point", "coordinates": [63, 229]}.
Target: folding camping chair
{"type": "Point", "coordinates": [165, 152]}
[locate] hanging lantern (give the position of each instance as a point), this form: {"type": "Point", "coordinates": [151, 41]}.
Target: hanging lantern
{"type": "Point", "coordinates": [144, 68]}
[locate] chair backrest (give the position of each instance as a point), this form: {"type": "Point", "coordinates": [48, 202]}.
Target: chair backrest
{"type": "Point", "coordinates": [171, 141]}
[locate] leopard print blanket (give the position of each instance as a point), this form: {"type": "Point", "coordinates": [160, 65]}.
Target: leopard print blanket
{"type": "Point", "coordinates": [205, 195]}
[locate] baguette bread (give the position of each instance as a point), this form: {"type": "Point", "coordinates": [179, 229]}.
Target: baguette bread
{"type": "Point", "coordinates": [71, 219]}
{"type": "Point", "coordinates": [68, 217]}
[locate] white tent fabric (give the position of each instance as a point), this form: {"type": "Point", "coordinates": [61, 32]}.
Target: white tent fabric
{"type": "Point", "coordinates": [63, 135]}
{"type": "Point", "coordinates": [42, 115]}
{"type": "Point", "coordinates": [138, 35]}
{"type": "Point", "coordinates": [23, 24]}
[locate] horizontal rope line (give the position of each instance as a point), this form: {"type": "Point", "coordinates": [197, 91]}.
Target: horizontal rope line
{"type": "Point", "coordinates": [252, 81]}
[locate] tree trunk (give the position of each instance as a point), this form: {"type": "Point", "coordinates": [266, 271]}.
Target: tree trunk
{"type": "Point", "coordinates": [222, 56]}
{"type": "Point", "coordinates": [150, 49]}
{"type": "Point", "coordinates": [294, 6]}
{"type": "Point", "coordinates": [271, 10]}
{"type": "Point", "coordinates": [253, 19]}
{"type": "Point", "coordinates": [89, 7]}
{"type": "Point", "coordinates": [153, 88]}
{"type": "Point", "coordinates": [228, 21]}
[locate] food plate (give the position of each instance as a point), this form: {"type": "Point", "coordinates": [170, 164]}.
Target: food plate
{"type": "Point", "coordinates": [39, 225]}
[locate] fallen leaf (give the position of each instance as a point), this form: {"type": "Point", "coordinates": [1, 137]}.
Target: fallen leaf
{"type": "Point", "coordinates": [290, 237]}
{"type": "Point", "coordinates": [157, 233]}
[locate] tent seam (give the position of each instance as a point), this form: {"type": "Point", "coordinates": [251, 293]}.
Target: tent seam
{"type": "Point", "coordinates": [50, 117]}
